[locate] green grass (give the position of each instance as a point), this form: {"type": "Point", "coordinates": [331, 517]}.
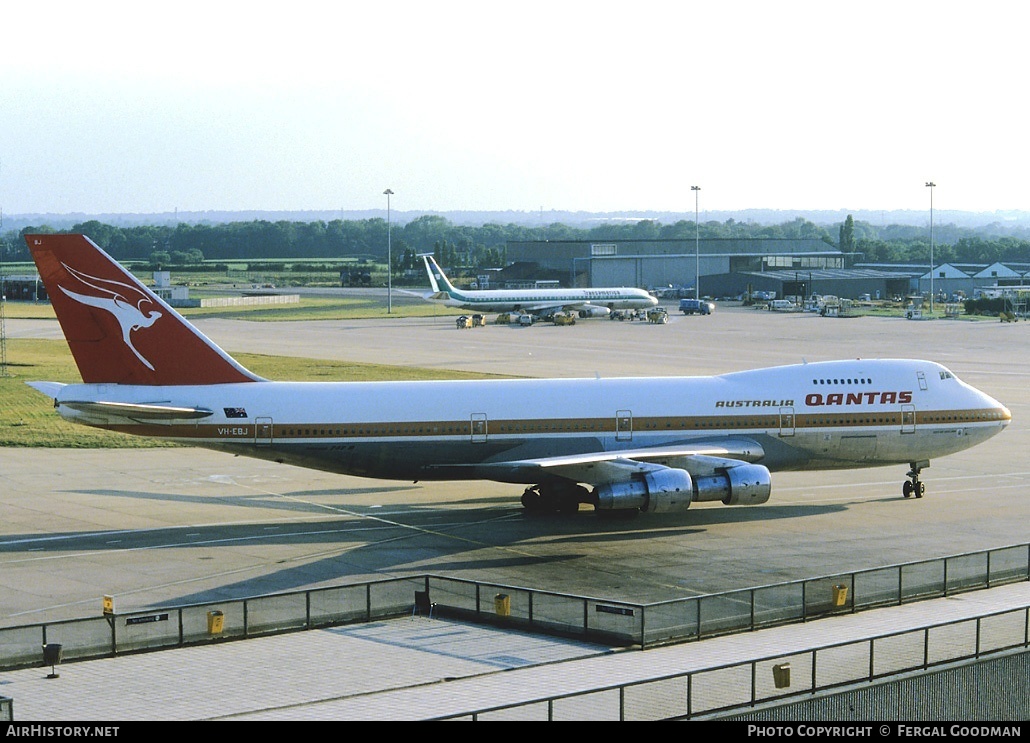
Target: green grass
{"type": "Point", "coordinates": [27, 417]}
{"type": "Point", "coordinates": [29, 310]}
{"type": "Point", "coordinates": [320, 308]}
{"type": "Point", "coordinates": [938, 314]}
{"type": "Point", "coordinates": [309, 308]}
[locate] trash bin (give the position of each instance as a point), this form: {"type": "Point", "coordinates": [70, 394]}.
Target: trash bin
{"type": "Point", "coordinates": [781, 675]}
{"type": "Point", "coordinates": [840, 595]}
{"type": "Point", "coordinates": [215, 622]}
{"type": "Point", "coordinates": [502, 605]}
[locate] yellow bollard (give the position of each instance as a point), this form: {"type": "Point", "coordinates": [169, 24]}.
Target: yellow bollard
{"type": "Point", "coordinates": [840, 595]}
{"type": "Point", "coordinates": [502, 605]}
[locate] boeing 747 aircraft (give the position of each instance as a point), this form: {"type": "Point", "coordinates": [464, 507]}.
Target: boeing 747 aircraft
{"type": "Point", "coordinates": [586, 302]}
{"type": "Point", "coordinates": [654, 444]}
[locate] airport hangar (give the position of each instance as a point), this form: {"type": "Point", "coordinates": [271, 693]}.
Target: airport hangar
{"type": "Point", "coordinates": [730, 266]}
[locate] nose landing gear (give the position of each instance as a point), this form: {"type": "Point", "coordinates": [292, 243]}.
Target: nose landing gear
{"type": "Point", "coordinates": [914, 486]}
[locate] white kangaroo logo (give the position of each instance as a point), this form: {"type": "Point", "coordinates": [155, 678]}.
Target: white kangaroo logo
{"type": "Point", "coordinates": [130, 316]}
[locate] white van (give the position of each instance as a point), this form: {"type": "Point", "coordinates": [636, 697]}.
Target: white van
{"type": "Point", "coordinates": [782, 305]}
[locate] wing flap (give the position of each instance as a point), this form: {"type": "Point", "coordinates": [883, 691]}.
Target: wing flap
{"type": "Point", "coordinates": [596, 468]}
{"type": "Point", "coordinates": [539, 308]}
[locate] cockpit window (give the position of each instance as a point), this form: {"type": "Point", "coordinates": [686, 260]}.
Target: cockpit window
{"type": "Point", "coordinates": [945, 374]}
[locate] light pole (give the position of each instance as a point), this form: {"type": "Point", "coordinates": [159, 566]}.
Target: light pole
{"type": "Point", "coordinates": [697, 247]}
{"type": "Point", "coordinates": [930, 185]}
{"type": "Point", "coordinates": [389, 255]}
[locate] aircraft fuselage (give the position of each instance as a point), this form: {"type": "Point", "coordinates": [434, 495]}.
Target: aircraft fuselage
{"type": "Point", "coordinates": [837, 414]}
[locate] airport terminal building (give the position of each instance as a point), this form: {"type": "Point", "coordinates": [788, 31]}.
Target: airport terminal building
{"type": "Point", "coordinates": [728, 267]}
{"type": "Point", "coordinates": [675, 263]}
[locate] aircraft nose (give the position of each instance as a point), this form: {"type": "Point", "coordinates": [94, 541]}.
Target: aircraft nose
{"type": "Point", "coordinates": [1006, 416]}
{"type": "Point", "coordinates": [999, 411]}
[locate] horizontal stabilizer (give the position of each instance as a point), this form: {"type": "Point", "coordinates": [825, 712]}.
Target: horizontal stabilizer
{"type": "Point", "coordinates": [138, 410]}
{"type": "Point", "coordinates": [50, 389]}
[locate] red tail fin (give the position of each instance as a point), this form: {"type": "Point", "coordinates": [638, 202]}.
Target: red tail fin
{"type": "Point", "coordinates": [118, 330]}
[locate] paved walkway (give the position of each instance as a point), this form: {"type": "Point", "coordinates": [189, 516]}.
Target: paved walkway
{"type": "Point", "coordinates": [415, 668]}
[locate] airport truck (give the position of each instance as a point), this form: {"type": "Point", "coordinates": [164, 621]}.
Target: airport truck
{"type": "Point", "coordinates": [696, 306]}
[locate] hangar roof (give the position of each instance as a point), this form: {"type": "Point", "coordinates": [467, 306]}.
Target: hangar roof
{"type": "Point", "coordinates": [838, 274]}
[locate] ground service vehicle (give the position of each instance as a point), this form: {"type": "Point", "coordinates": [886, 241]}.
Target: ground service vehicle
{"type": "Point", "coordinates": [696, 306]}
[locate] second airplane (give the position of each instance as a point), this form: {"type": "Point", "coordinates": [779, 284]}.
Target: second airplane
{"type": "Point", "coordinates": [599, 302]}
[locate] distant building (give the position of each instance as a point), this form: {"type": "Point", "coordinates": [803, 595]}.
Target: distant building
{"type": "Point", "coordinates": [24, 289]}
{"type": "Point", "coordinates": [730, 266]}
{"type": "Point", "coordinates": [838, 282]}
{"type": "Point", "coordinates": [652, 264]}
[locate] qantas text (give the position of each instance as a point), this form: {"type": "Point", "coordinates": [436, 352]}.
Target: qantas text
{"type": "Point", "coordinates": [817, 399]}
{"type": "Point", "coordinates": [857, 398]}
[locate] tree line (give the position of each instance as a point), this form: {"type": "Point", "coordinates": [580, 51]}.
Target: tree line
{"type": "Point", "coordinates": [463, 246]}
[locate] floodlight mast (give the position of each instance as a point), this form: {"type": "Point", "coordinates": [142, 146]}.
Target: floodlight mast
{"type": "Point", "coordinates": [389, 256]}
{"type": "Point", "coordinates": [931, 185]}
{"type": "Point", "coordinates": [697, 247]}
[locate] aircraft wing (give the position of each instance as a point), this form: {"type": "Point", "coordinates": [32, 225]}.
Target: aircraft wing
{"type": "Point", "coordinates": [540, 308]}
{"type": "Point", "coordinates": [427, 296]}
{"type": "Point", "coordinates": [544, 308]}
{"type": "Point", "coordinates": [600, 468]}
{"type": "Point", "coordinates": [409, 293]}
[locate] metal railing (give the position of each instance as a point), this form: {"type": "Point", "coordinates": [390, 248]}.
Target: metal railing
{"type": "Point", "coordinates": [588, 618]}
{"type": "Point", "coordinates": [744, 685]}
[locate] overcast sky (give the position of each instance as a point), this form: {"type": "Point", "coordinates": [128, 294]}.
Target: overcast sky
{"type": "Point", "coordinates": [595, 106]}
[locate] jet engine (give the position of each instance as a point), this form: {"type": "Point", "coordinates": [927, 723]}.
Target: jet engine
{"type": "Point", "coordinates": [746, 485]}
{"type": "Point", "coordinates": [586, 312]}
{"type": "Point", "coordinates": [671, 490]}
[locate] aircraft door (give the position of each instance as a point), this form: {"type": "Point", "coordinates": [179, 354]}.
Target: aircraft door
{"type": "Point", "coordinates": [624, 425]}
{"type": "Point", "coordinates": [263, 431]}
{"type": "Point", "coordinates": [908, 418]}
{"type": "Point", "coordinates": [786, 421]}
{"type": "Point", "coordinates": [478, 428]}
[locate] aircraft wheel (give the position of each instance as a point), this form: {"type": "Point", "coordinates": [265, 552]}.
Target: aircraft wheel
{"type": "Point", "coordinates": [567, 503]}
{"type": "Point", "coordinates": [906, 489]}
{"type": "Point", "coordinates": [531, 500]}
{"type": "Point", "coordinates": [920, 489]}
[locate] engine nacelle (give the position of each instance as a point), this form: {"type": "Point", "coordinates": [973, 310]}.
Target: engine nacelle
{"type": "Point", "coordinates": [586, 312]}
{"type": "Point", "coordinates": [746, 485]}
{"type": "Point", "coordinates": [660, 491]}
{"type": "Point", "coordinates": [671, 490]}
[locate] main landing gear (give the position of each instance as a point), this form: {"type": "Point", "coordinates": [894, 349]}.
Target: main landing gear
{"type": "Point", "coordinates": [913, 485]}
{"type": "Point", "coordinates": [555, 497]}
